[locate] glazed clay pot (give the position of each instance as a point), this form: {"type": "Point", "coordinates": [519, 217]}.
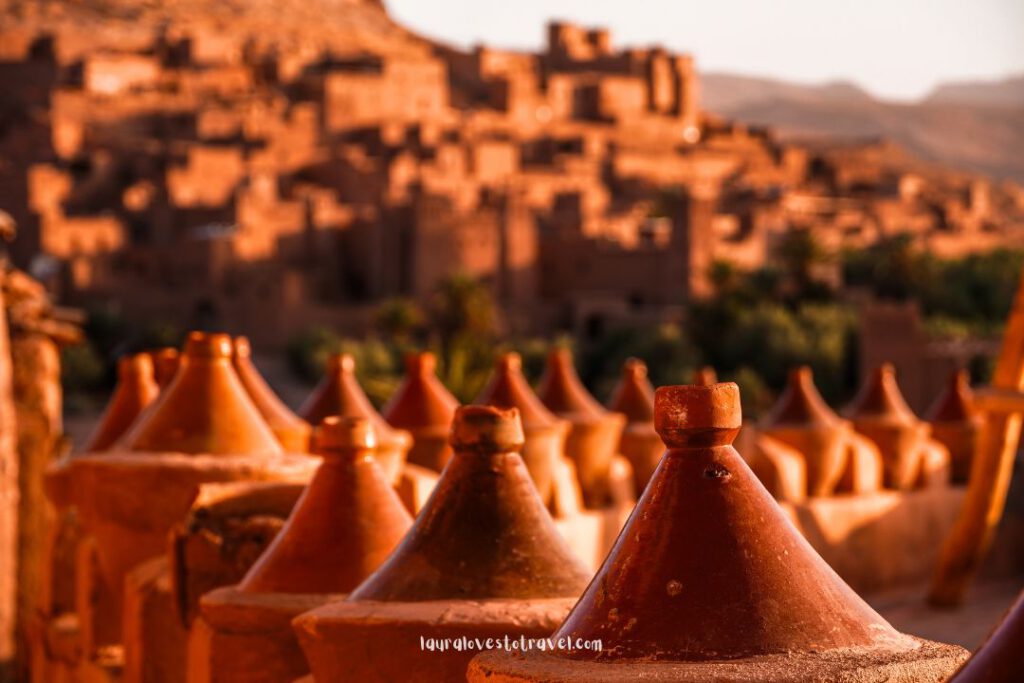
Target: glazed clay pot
{"type": "Point", "coordinates": [291, 430]}
{"type": "Point", "coordinates": [640, 444]}
{"type": "Point", "coordinates": [203, 427]}
{"type": "Point", "coordinates": [956, 424]}
{"type": "Point", "coordinates": [998, 660]}
{"type": "Point", "coordinates": [594, 432]}
{"type": "Point", "coordinates": [423, 407]}
{"type": "Point", "coordinates": [136, 389]}
{"type": "Point", "coordinates": [483, 560]}
{"type": "Point", "coordinates": [346, 523]}
{"type": "Point", "coordinates": [802, 419]}
{"type": "Point", "coordinates": [544, 433]}
{"type": "Point", "coordinates": [710, 581]}
{"type": "Point", "coordinates": [165, 365]}
{"type": "Point", "coordinates": [879, 412]}
{"type": "Point", "coordinates": [339, 393]}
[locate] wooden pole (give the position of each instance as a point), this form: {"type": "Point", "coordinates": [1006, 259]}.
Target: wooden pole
{"type": "Point", "coordinates": [968, 542]}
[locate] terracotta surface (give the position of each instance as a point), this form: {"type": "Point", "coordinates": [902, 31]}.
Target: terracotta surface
{"type": "Point", "coordinates": [510, 550]}
{"type": "Point", "coordinates": [339, 393]}
{"type": "Point", "coordinates": [956, 424]}
{"type": "Point", "coordinates": [802, 419]}
{"type": "Point", "coordinates": [165, 365]}
{"type": "Point", "coordinates": [205, 409]}
{"type": "Point", "coordinates": [347, 522]}
{"type": "Point", "coordinates": [291, 430]}
{"type": "Point", "coordinates": [136, 389]}
{"type": "Point", "coordinates": [483, 559]}
{"type": "Point", "coordinates": [202, 428]}
{"type": "Point", "coordinates": [544, 433]}
{"type": "Point", "coordinates": [640, 444]}
{"type": "Point", "coordinates": [594, 433]}
{"type": "Point", "coordinates": [422, 406]}
{"type": "Point", "coordinates": [1000, 659]}
{"type": "Point", "coordinates": [879, 412]}
{"type": "Point", "coordinates": [710, 581]}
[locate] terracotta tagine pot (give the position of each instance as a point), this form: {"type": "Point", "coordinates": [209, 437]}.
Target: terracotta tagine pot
{"type": "Point", "coordinates": [705, 376]}
{"type": "Point", "coordinates": [165, 365]}
{"type": "Point", "coordinates": [802, 419]}
{"type": "Point", "coordinates": [640, 444]}
{"type": "Point", "coordinates": [291, 430]}
{"type": "Point", "coordinates": [998, 660]}
{"type": "Point", "coordinates": [545, 434]}
{"type": "Point", "coordinates": [339, 393]}
{"type": "Point", "coordinates": [709, 581]}
{"type": "Point", "coordinates": [136, 389]}
{"type": "Point", "coordinates": [594, 432]}
{"type": "Point", "coordinates": [423, 407]}
{"type": "Point", "coordinates": [482, 560]}
{"type": "Point", "coordinates": [346, 523]}
{"type": "Point", "coordinates": [879, 412]}
{"type": "Point", "coordinates": [202, 428]}
{"type": "Point", "coordinates": [956, 424]}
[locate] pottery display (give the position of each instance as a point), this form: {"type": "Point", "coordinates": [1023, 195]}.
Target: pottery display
{"type": "Point", "coordinates": [483, 559]}
{"type": "Point", "coordinates": [802, 420]}
{"type": "Point", "coordinates": [136, 389]}
{"type": "Point", "coordinates": [544, 433]}
{"type": "Point", "coordinates": [709, 580]}
{"type": "Point", "coordinates": [291, 430]}
{"type": "Point", "coordinates": [640, 444]}
{"type": "Point", "coordinates": [422, 406]}
{"type": "Point", "coordinates": [956, 424]}
{"type": "Point", "coordinates": [594, 432]}
{"type": "Point", "coordinates": [879, 412]}
{"type": "Point", "coordinates": [339, 393]}
{"type": "Point", "coordinates": [346, 523]}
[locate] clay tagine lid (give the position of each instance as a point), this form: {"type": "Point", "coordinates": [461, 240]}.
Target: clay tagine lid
{"type": "Point", "coordinates": [998, 660]}
{"type": "Point", "coordinates": [634, 395]}
{"type": "Point", "coordinates": [956, 403]}
{"type": "Point", "coordinates": [346, 523]}
{"type": "Point", "coordinates": [421, 402]}
{"type": "Point", "coordinates": [136, 389]}
{"type": "Point", "coordinates": [708, 567]}
{"type": "Point", "coordinates": [339, 393]}
{"type": "Point", "coordinates": [562, 391]}
{"type": "Point", "coordinates": [705, 376]}
{"type": "Point", "coordinates": [290, 429]}
{"type": "Point", "coordinates": [205, 409]}
{"type": "Point", "coordinates": [880, 399]}
{"type": "Point", "coordinates": [484, 533]}
{"type": "Point", "coordinates": [508, 388]}
{"type": "Point", "coordinates": [800, 404]}
{"type": "Point", "coordinates": [165, 365]}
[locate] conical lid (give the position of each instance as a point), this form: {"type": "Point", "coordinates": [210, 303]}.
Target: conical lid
{"type": "Point", "coordinates": [800, 403]}
{"type": "Point", "coordinates": [291, 430]}
{"type": "Point", "coordinates": [562, 391]}
{"type": "Point", "coordinates": [880, 399]}
{"type": "Point", "coordinates": [165, 365]}
{"type": "Point", "coordinates": [484, 533]}
{"type": "Point", "coordinates": [708, 566]}
{"type": "Point", "coordinates": [421, 401]}
{"type": "Point", "coordinates": [339, 393]}
{"type": "Point", "coordinates": [956, 403]}
{"type": "Point", "coordinates": [135, 390]}
{"type": "Point", "coordinates": [634, 396]}
{"type": "Point", "coordinates": [705, 376]}
{"type": "Point", "coordinates": [508, 388]}
{"type": "Point", "coordinates": [999, 658]}
{"type": "Point", "coordinates": [346, 523]}
{"type": "Point", "coordinates": [205, 409]}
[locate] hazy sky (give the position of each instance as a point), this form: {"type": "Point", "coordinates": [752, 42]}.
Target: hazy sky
{"type": "Point", "coordinates": [894, 48]}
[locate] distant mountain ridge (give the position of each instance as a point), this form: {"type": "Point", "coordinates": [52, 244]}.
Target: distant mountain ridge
{"type": "Point", "coordinates": [974, 126]}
